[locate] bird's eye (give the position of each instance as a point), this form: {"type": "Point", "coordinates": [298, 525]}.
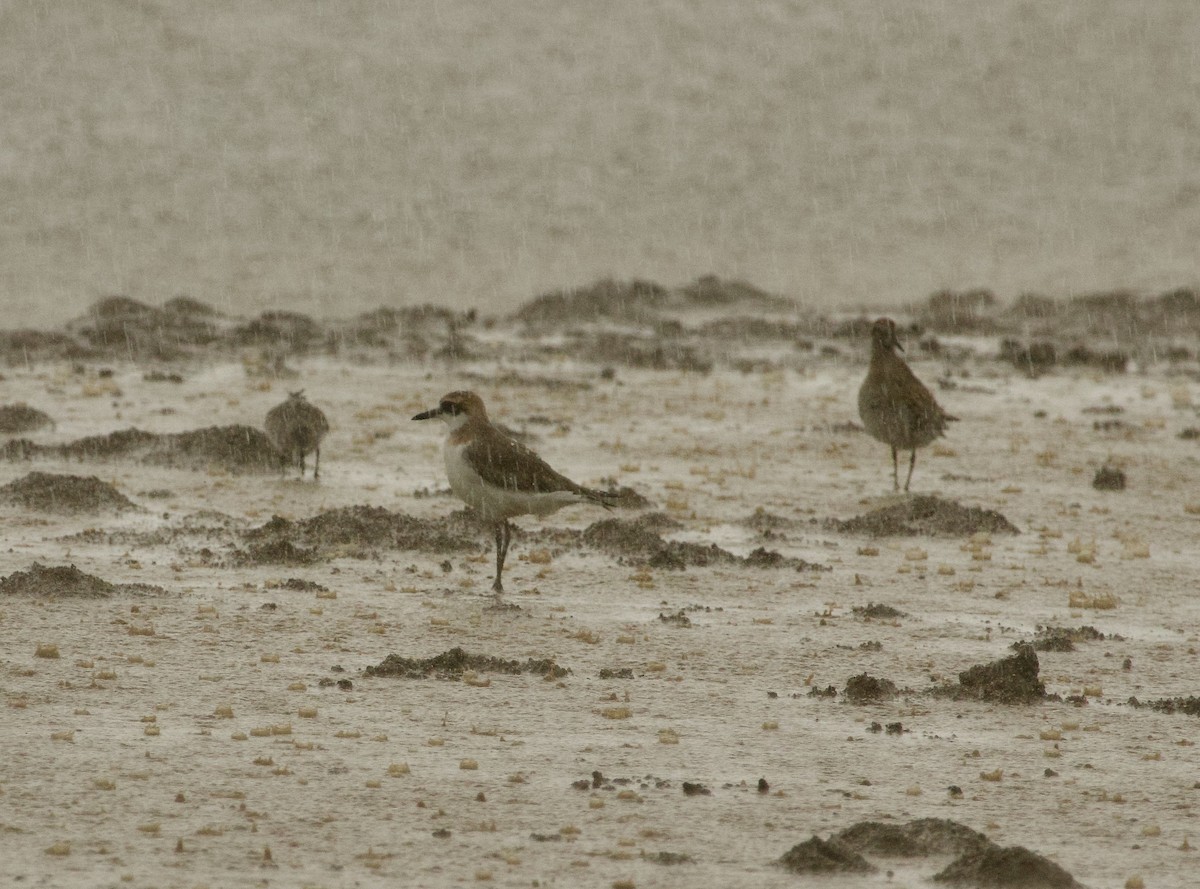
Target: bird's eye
{"type": "Point", "coordinates": [449, 407]}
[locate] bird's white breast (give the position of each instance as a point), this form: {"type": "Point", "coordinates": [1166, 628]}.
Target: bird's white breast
{"type": "Point", "coordinates": [493, 503]}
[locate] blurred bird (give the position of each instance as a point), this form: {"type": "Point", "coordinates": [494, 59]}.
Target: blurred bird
{"type": "Point", "coordinates": [894, 405]}
{"type": "Point", "coordinates": [497, 477]}
{"type": "Point", "coordinates": [296, 428]}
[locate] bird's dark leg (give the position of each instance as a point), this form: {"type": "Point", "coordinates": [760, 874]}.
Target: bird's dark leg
{"type": "Point", "coordinates": [503, 537]}
{"type": "Point", "coordinates": [911, 463]}
{"type": "Point", "coordinates": [895, 472]}
{"type": "Point", "coordinates": [317, 466]}
{"type": "Point", "coordinates": [302, 464]}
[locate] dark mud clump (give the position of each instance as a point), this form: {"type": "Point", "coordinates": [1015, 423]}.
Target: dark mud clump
{"type": "Point", "coordinates": [767, 524]}
{"type": "Point", "coordinates": [1063, 638]}
{"type": "Point", "coordinates": [355, 531]}
{"type": "Point", "coordinates": [639, 539]}
{"type": "Point", "coordinates": [67, 581]}
{"type": "Point", "coordinates": [926, 515]}
{"type": "Point", "coordinates": [980, 862]}
{"type": "Point", "coordinates": [625, 497]}
{"type": "Point", "coordinates": [234, 448]}
{"type": "Point", "coordinates": [1109, 478]}
{"type": "Point", "coordinates": [876, 611]}
{"type": "Point", "coordinates": [1001, 868]}
{"type": "Point", "coordinates": [118, 326]}
{"type": "Point", "coordinates": [605, 299]}
{"type": "Point", "coordinates": [1189, 706]}
{"type": "Point", "coordinates": [924, 836]}
{"type": "Point", "coordinates": [18, 418]}
{"type": "Point", "coordinates": [1035, 359]}
{"type": "Point", "coordinates": [20, 348]}
{"type": "Point", "coordinates": [818, 856]}
{"type": "Point", "coordinates": [453, 663]}
{"type": "Point", "coordinates": [64, 494]}
{"type": "Point", "coordinates": [966, 311]}
{"type": "Point", "coordinates": [1010, 680]}
{"type": "Point", "coordinates": [867, 689]}
{"type": "Point", "coordinates": [297, 584]}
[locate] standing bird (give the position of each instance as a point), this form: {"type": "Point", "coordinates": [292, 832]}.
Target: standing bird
{"type": "Point", "coordinates": [296, 427]}
{"type": "Point", "coordinates": [894, 405]}
{"type": "Point", "coordinates": [497, 477]}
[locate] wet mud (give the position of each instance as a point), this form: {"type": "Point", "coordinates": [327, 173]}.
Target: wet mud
{"type": "Point", "coordinates": [639, 541]}
{"type": "Point", "coordinates": [64, 494]}
{"type": "Point", "coordinates": [926, 515]}
{"type": "Point", "coordinates": [453, 663]}
{"type": "Point", "coordinates": [1010, 867]}
{"type": "Point", "coordinates": [979, 862]}
{"type": "Point", "coordinates": [1063, 638]}
{"type": "Point", "coordinates": [236, 449]}
{"type": "Point", "coordinates": [818, 856]}
{"type": "Point", "coordinates": [1109, 478]}
{"type": "Point", "coordinates": [876, 611]}
{"type": "Point", "coordinates": [1010, 680]}
{"type": "Point", "coordinates": [67, 581]}
{"type": "Point", "coordinates": [1189, 706]}
{"type": "Point", "coordinates": [18, 418]}
{"type": "Point", "coordinates": [867, 689]}
{"type": "Point", "coordinates": [924, 836]}
{"type": "Point", "coordinates": [356, 531]}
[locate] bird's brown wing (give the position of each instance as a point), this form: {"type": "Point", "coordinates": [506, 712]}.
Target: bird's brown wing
{"type": "Point", "coordinates": [508, 464]}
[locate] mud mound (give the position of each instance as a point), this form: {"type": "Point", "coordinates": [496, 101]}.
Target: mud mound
{"type": "Point", "coordinates": [113, 445]}
{"type": "Point", "coordinates": [712, 291]}
{"type": "Point", "coordinates": [1010, 680]}
{"type": "Point", "coordinates": [925, 836]}
{"type": "Point", "coordinates": [18, 418]}
{"type": "Point", "coordinates": [638, 539]}
{"type": "Point", "coordinates": [615, 300]}
{"type": "Point", "coordinates": [867, 689]}
{"type": "Point", "coordinates": [876, 611]}
{"type": "Point", "coordinates": [355, 530]}
{"type": "Point", "coordinates": [1062, 638]}
{"type": "Point", "coordinates": [234, 448]}
{"type": "Point", "coordinates": [927, 515]}
{"type": "Point", "coordinates": [1189, 706]}
{"type": "Point", "coordinates": [965, 311]}
{"type": "Point", "coordinates": [124, 327]}
{"type": "Point", "coordinates": [818, 856]}
{"type": "Point", "coordinates": [20, 348]}
{"type": "Point", "coordinates": [1109, 478]}
{"type": "Point", "coordinates": [662, 350]}
{"type": "Point", "coordinates": [1011, 866]}
{"type": "Point", "coordinates": [625, 497]}
{"type": "Point", "coordinates": [768, 524]}
{"type": "Point", "coordinates": [67, 580]}
{"type": "Point", "coordinates": [453, 663]}
{"type": "Point", "coordinates": [64, 494]}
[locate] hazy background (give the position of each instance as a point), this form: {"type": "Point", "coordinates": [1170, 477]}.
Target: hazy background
{"type": "Point", "coordinates": [333, 157]}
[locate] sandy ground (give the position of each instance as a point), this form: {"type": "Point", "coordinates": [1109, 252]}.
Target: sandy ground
{"type": "Point", "coordinates": [185, 739]}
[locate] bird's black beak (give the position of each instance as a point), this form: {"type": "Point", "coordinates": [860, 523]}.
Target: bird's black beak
{"type": "Point", "coordinates": [429, 414]}
{"type": "Point", "coordinates": [897, 344]}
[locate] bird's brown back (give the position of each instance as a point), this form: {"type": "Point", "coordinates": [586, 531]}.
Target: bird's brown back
{"type": "Point", "coordinates": [504, 463]}
{"type": "Point", "coordinates": [895, 406]}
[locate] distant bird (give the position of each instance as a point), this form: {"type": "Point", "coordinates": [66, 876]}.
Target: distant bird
{"type": "Point", "coordinates": [497, 477]}
{"type": "Point", "coordinates": [894, 405]}
{"type": "Point", "coordinates": [296, 428]}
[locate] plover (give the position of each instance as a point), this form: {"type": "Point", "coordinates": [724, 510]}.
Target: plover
{"type": "Point", "coordinates": [296, 427]}
{"type": "Point", "coordinates": [497, 477]}
{"type": "Point", "coordinates": [894, 405]}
